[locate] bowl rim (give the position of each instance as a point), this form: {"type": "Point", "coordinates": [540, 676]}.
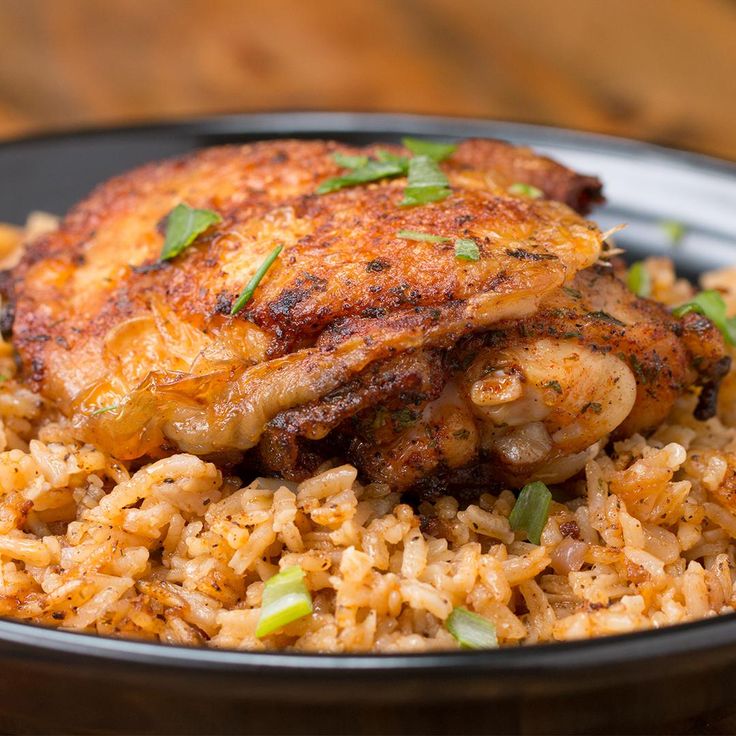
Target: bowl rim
{"type": "Point", "coordinates": [309, 123]}
{"type": "Point", "coordinates": [673, 641]}
{"type": "Point", "coordinates": [655, 647]}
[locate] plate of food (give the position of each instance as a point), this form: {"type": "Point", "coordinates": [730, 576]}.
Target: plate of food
{"type": "Point", "coordinates": [331, 422]}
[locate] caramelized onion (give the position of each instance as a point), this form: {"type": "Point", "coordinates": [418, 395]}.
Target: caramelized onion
{"type": "Point", "coordinates": [569, 556]}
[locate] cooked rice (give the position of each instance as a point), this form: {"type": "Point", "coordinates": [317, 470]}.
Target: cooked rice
{"type": "Point", "coordinates": [178, 551]}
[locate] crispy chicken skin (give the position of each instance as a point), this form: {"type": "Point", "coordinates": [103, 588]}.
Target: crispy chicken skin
{"type": "Point", "coordinates": [530, 397]}
{"type": "Point", "coordinates": [342, 258]}
{"type": "Point", "coordinates": [351, 324]}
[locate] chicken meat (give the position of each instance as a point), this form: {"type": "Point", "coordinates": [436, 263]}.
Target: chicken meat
{"type": "Point", "coordinates": [422, 367]}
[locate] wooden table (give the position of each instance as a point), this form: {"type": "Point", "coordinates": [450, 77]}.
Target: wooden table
{"type": "Point", "coordinates": [663, 70]}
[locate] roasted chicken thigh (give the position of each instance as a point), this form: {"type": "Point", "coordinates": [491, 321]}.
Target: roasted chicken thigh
{"type": "Point", "coordinates": [421, 366]}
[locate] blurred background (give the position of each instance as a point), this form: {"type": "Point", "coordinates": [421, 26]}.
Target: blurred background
{"type": "Point", "coordinates": [661, 70]}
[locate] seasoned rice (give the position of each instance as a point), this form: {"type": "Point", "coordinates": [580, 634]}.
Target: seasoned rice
{"type": "Point", "coordinates": [178, 550]}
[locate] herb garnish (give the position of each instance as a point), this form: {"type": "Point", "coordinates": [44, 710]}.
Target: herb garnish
{"type": "Point", "coordinates": [710, 303]}
{"type": "Point", "coordinates": [422, 237]}
{"type": "Point", "coordinates": [434, 149]}
{"type": "Point", "coordinates": [593, 406]}
{"type": "Point", "coordinates": [349, 162]}
{"type": "Point", "coordinates": [247, 294]}
{"type": "Point", "coordinates": [183, 225]}
{"type": "Point", "coordinates": [605, 317]}
{"type": "Point", "coordinates": [638, 369]}
{"type": "Point", "coordinates": [638, 279]}
{"type": "Point", "coordinates": [525, 190]}
{"type": "Point", "coordinates": [371, 171]}
{"type": "Point", "coordinates": [574, 293]}
{"type": "Point", "coordinates": [105, 409]}
{"type": "Point", "coordinates": [554, 385]}
{"type": "Point", "coordinates": [403, 418]}
{"type": "Point", "coordinates": [674, 230]}
{"type": "Point", "coordinates": [393, 158]}
{"type": "Point", "coordinates": [426, 182]}
{"type": "Point", "coordinates": [466, 250]}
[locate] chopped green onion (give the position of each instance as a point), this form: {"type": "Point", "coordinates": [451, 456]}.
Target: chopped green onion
{"type": "Point", "coordinates": [525, 190]}
{"type": "Point", "coordinates": [471, 630]}
{"type": "Point", "coordinates": [638, 279]}
{"type": "Point", "coordinates": [285, 599]}
{"type": "Point", "coordinates": [434, 149]}
{"type": "Point", "coordinates": [426, 182]}
{"type": "Point", "coordinates": [424, 237]}
{"type": "Point", "coordinates": [466, 249]}
{"type": "Point", "coordinates": [372, 171]}
{"type": "Point", "coordinates": [105, 409]}
{"type": "Point", "coordinates": [531, 510]}
{"type": "Point", "coordinates": [349, 162]}
{"type": "Point", "coordinates": [247, 294]}
{"type": "Point", "coordinates": [710, 303]}
{"type": "Point", "coordinates": [674, 230]}
{"type": "Point", "coordinates": [183, 225]}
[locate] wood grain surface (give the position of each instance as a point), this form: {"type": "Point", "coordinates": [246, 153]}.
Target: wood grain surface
{"type": "Point", "coordinates": [663, 70]}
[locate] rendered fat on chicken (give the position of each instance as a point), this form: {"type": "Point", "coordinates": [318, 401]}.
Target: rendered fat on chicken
{"type": "Point", "coordinates": [426, 370]}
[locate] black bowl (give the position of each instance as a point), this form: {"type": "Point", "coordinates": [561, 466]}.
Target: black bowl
{"type": "Point", "coordinates": [657, 681]}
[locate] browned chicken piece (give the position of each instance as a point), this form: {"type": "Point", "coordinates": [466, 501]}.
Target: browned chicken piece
{"type": "Point", "coordinates": [146, 358]}
{"type": "Point", "coordinates": [531, 398]}
{"type": "Point", "coordinates": [100, 322]}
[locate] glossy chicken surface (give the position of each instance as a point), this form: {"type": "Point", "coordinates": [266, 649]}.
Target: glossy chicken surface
{"type": "Point", "coordinates": [413, 362]}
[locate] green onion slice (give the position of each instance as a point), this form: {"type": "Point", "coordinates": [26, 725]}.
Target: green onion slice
{"type": "Point", "coordinates": [674, 230]}
{"type": "Point", "coordinates": [424, 237]}
{"type": "Point", "coordinates": [471, 630]}
{"type": "Point", "coordinates": [466, 250]}
{"type": "Point", "coordinates": [183, 225]}
{"type": "Point", "coordinates": [525, 190]}
{"type": "Point", "coordinates": [285, 599]}
{"type": "Point", "coordinates": [247, 294]}
{"type": "Point", "coordinates": [710, 303]}
{"type": "Point", "coordinates": [434, 149]}
{"type": "Point", "coordinates": [638, 279]}
{"type": "Point", "coordinates": [531, 510]}
{"type": "Point", "coordinates": [426, 182]}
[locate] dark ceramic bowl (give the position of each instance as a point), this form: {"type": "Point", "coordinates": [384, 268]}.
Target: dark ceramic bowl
{"type": "Point", "coordinates": [658, 681]}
